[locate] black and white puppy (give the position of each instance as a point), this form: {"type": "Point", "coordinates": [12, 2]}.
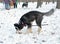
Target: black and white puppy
{"type": "Point", "coordinates": [25, 4]}
{"type": "Point", "coordinates": [29, 17]}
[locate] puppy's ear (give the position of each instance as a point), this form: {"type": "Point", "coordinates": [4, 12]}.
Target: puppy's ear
{"type": "Point", "coordinates": [15, 24]}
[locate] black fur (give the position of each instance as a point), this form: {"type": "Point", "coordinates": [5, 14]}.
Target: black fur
{"type": "Point", "coordinates": [29, 17]}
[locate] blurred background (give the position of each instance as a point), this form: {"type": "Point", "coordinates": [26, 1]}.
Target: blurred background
{"type": "Point", "coordinates": [9, 4]}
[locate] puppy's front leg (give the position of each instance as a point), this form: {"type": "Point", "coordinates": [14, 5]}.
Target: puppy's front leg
{"type": "Point", "coordinates": [29, 30]}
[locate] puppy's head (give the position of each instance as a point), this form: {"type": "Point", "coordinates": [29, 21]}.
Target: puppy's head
{"type": "Point", "coordinates": [18, 26]}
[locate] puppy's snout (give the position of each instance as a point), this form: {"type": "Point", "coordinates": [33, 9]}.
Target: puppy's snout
{"type": "Point", "coordinates": [18, 32]}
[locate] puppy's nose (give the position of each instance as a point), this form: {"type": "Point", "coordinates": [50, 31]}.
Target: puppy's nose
{"type": "Point", "coordinates": [15, 28]}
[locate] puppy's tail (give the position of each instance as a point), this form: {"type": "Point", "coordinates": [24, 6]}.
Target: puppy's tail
{"type": "Point", "coordinates": [49, 12]}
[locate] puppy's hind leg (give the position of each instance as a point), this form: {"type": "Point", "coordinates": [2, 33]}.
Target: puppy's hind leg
{"type": "Point", "coordinates": [38, 21]}
{"type": "Point", "coordinates": [39, 30]}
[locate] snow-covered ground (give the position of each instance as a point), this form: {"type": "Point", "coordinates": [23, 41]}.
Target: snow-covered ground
{"type": "Point", "coordinates": [50, 33]}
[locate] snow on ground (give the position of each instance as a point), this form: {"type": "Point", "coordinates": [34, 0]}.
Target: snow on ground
{"type": "Point", "coordinates": [50, 33]}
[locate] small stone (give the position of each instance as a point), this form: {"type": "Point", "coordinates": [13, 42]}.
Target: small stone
{"type": "Point", "coordinates": [35, 41]}
{"type": "Point", "coordinates": [1, 41]}
{"type": "Point", "coordinates": [43, 41]}
{"type": "Point", "coordinates": [34, 37]}
{"type": "Point", "coordinates": [52, 33]}
{"type": "Point", "coordinates": [2, 23]}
